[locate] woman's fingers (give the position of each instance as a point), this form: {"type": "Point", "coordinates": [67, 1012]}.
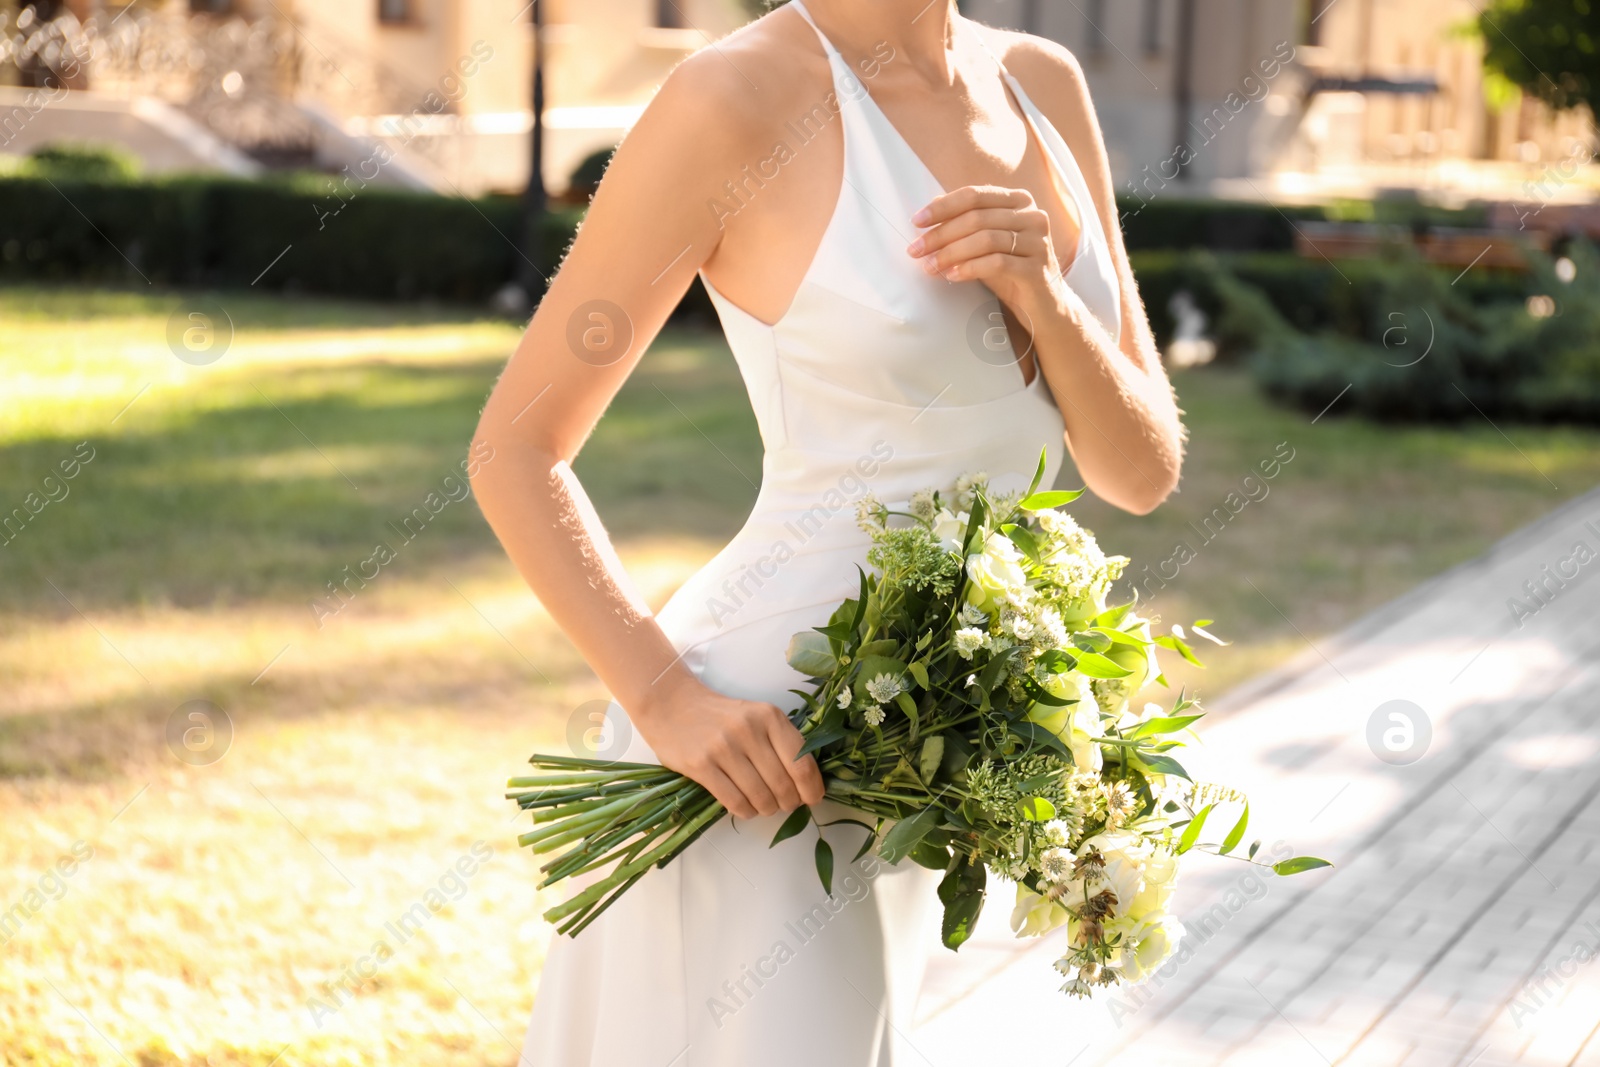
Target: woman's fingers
{"type": "Point", "coordinates": [779, 782]}
{"type": "Point", "coordinates": [807, 778]}
{"type": "Point", "coordinates": [737, 766]}
{"type": "Point", "coordinates": [728, 795]}
{"type": "Point", "coordinates": [982, 243]}
{"type": "Point", "coordinates": [965, 224]}
{"type": "Point", "coordinates": [948, 205]}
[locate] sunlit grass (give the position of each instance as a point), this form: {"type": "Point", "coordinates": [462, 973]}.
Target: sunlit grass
{"type": "Point", "coordinates": [370, 743]}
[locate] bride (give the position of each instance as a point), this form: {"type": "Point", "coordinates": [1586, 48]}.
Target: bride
{"type": "Point", "coordinates": [906, 223]}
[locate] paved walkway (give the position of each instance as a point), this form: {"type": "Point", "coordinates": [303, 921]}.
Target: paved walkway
{"type": "Point", "coordinates": [1459, 926]}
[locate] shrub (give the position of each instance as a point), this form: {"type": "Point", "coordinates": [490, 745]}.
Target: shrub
{"type": "Point", "coordinates": [290, 233]}
{"type": "Point", "coordinates": [82, 161]}
{"type": "Point", "coordinates": [1412, 346]}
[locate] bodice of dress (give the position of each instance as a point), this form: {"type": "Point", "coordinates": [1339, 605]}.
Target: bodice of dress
{"type": "Point", "coordinates": [879, 378]}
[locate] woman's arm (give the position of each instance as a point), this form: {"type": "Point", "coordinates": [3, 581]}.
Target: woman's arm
{"type": "Point", "coordinates": [1123, 425]}
{"type": "Point", "coordinates": [645, 235]}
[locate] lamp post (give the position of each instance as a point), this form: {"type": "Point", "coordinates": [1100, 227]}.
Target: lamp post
{"type": "Point", "coordinates": [535, 199]}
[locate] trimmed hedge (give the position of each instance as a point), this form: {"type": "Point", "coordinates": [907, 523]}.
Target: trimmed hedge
{"type": "Point", "coordinates": [1310, 295]}
{"type": "Point", "coordinates": [203, 231]}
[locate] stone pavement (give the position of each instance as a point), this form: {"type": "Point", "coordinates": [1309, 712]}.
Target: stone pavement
{"type": "Point", "coordinates": [1461, 921]}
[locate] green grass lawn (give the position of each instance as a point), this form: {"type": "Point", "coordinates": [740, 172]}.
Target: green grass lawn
{"type": "Point", "coordinates": [369, 745]}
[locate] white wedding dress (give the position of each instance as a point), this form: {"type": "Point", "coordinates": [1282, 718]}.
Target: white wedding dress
{"type": "Point", "coordinates": [882, 379]}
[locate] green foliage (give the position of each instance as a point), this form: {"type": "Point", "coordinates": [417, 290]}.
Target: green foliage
{"type": "Point", "coordinates": [1549, 48]}
{"type": "Point", "coordinates": [229, 233]}
{"type": "Point", "coordinates": [82, 161]}
{"type": "Point", "coordinates": [1414, 347]}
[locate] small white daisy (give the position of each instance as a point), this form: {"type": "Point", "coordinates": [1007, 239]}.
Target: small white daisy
{"type": "Point", "coordinates": [844, 698]}
{"type": "Point", "coordinates": [873, 715]}
{"type": "Point", "coordinates": [884, 688]}
{"type": "Point", "coordinates": [968, 640]}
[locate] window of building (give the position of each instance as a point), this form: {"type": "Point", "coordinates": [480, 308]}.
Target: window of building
{"type": "Point", "coordinates": [394, 10]}
{"type": "Point", "coordinates": [669, 14]}
{"type": "Point", "coordinates": [1150, 27]}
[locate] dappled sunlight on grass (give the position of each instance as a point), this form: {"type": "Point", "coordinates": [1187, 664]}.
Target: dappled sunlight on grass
{"type": "Point", "coordinates": [206, 552]}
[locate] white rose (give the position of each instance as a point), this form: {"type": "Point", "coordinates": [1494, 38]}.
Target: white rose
{"type": "Point", "coordinates": [1086, 727]}
{"type": "Point", "coordinates": [1147, 946]}
{"type": "Point", "coordinates": [1160, 879]}
{"type": "Point", "coordinates": [1125, 855]}
{"type": "Point", "coordinates": [1035, 915]}
{"type": "Point", "coordinates": [996, 573]}
{"type": "Point", "coordinates": [1077, 725]}
{"type": "Point", "coordinates": [950, 529]}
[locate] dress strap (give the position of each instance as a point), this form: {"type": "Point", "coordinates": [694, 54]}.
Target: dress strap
{"type": "Point", "coordinates": [827, 45]}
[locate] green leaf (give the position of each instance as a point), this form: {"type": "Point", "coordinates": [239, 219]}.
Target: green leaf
{"type": "Point", "coordinates": [903, 837]}
{"type": "Point", "coordinates": [886, 647]}
{"type": "Point", "coordinates": [1298, 864]}
{"type": "Point", "coordinates": [1023, 538]}
{"type": "Point", "coordinates": [1191, 833]}
{"type": "Point", "coordinates": [927, 854]}
{"type": "Point", "coordinates": [974, 524]}
{"type": "Point", "coordinates": [1041, 695]}
{"type": "Point", "coordinates": [1120, 637]}
{"type": "Point", "coordinates": [797, 820]}
{"type": "Point", "coordinates": [919, 673]}
{"type": "Point", "coordinates": [1037, 809]}
{"type": "Point", "coordinates": [1097, 666]}
{"type": "Point", "coordinates": [1169, 724]}
{"type": "Point", "coordinates": [1035, 734]}
{"type": "Point", "coordinates": [1090, 641]}
{"type": "Point", "coordinates": [1051, 499]}
{"type": "Point", "coordinates": [1255, 846]}
{"type": "Point", "coordinates": [962, 893]}
{"type": "Point", "coordinates": [872, 836]}
{"type": "Point", "coordinates": [1163, 764]}
{"type": "Point", "coordinates": [1179, 646]}
{"type": "Point", "coordinates": [861, 602]}
{"type": "Point", "coordinates": [932, 756]}
{"type": "Point", "coordinates": [825, 865]}
{"type": "Point", "coordinates": [1038, 474]}
{"type": "Point", "coordinates": [1235, 835]}
{"type": "Point", "coordinates": [818, 738]}
{"type": "Point", "coordinates": [811, 653]}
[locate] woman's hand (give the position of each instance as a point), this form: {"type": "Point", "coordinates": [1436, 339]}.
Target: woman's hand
{"type": "Point", "coordinates": [997, 236]}
{"type": "Point", "coordinates": [740, 750]}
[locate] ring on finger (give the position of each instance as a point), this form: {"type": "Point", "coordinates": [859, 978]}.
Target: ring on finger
{"type": "Point", "coordinates": [1014, 241]}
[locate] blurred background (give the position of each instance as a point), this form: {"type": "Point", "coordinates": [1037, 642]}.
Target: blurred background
{"type": "Point", "coordinates": [263, 666]}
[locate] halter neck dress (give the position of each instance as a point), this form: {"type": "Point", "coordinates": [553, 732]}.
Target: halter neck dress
{"type": "Point", "coordinates": [878, 378]}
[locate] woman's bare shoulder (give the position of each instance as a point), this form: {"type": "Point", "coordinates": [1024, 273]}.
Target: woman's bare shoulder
{"type": "Point", "coordinates": [1044, 67]}
{"type": "Point", "coordinates": [737, 90]}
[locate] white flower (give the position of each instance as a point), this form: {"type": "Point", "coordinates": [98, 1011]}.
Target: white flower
{"type": "Point", "coordinates": [922, 505]}
{"type": "Point", "coordinates": [873, 715]}
{"type": "Point", "coordinates": [1077, 988]}
{"type": "Point", "coordinates": [1016, 624]}
{"type": "Point", "coordinates": [968, 640]}
{"type": "Point", "coordinates": [1035, 915]}
{"type": "Point", "coordinates": [1052, 631]}
{"type": "Point", "coordinates": [884, 688]}
{"type": "Point", "coordinates": [996, 573]}
{"type": "Point", "coordinates": [1056, 864]}
{"type": "Point", "coordinates": [967, 482]}
{"type": "Point", "coordinates": [972, 615]}
{"type": "Point", "coordinates": [1147, 946]}
{"type": "Point", "coordinates": [844, 698]}
{"type": "Point", "coordinates": [869, 513]}
{"type": "Point", "coordinates": [950, 529]}
{"type": "Point", "coordinates": [1077, 725]}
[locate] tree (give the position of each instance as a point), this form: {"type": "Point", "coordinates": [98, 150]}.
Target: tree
{"type": "Point", "coordinates": [1549, 48]}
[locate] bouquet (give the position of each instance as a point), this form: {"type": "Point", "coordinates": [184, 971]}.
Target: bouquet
{"type": "Point", "coordinates": [971, 703]}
